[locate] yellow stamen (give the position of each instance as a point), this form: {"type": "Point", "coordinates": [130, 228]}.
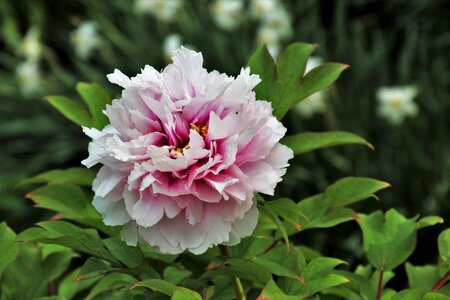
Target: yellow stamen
{"type": "Point", "coordinates": [203, 130]}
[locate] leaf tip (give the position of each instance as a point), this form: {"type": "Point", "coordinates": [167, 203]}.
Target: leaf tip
{"type": "Point", "coordinates": [372, 147]}
{"type": "Point", "coordinates": [79, 278]}
{"type": "Point", "coordinates": [135, 285]}
{"type": "Point", "coordinates": [29, 196]}
{"type": "Point", "coordinates": [346, 66]}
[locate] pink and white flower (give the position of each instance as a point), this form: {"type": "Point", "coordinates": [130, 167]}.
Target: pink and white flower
{"type": "Point", "coordinates": [184, 154]}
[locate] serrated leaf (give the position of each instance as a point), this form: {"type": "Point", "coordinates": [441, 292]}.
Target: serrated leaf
{"type": "Point", "coordinates": [72, 110]}
{"type": "Point", "coordinates": [96, 99]}
{"type": "Point", "coordinates": [310, 141]}
{"type": "Point", "coordinates": [242, 268]}
{"type": "Point", "coordinates": [429, 221]}
{"type": "Point", "coordinates": [444, 245]}
{"type": "Point", "coordinates": [8, 249]}
{"type": "Point", "coordinates": [388, 240]}
{"type": "Point", "coordinates": [78, 176]}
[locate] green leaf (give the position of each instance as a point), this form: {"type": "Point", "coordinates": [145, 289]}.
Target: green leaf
{"type": "Point", "coordinates": [132, 257]}
{"type": "Point", "coordinates": [277, 222]}
{"type": "Point", "coordinates": [242, 268]}
{"type": "Point", "coordinates": [157, 285]}
{"type": "Point", "coordinates": [72, 110]}
{"type": "Point", "coordinates": [71, 202]}
{"type": "Point", "coordinates": [279, 262]}
{"type": "Point", "coordinates": [435, 296]}
{"type": "Point", "coordinates": [310, 141]}
{"type": "Point", "coordinates": [284, 84]}
{"type": "Point", "coordinates": [175, 274]}
{"type": "Point", "coordinates": [423, 277]}
{"type": "Point", "coordinates": [94, 267]}
{"type": "Point", "coordinates": [78, 176]}
{"type": "Point", "coordinates": [287, 209]}
{"type": "Point", "coordinates": [429, 221]}
{"type": "Point", "coordinates": [96, 99]}
{"type": "Point", "coordinates": [261, 63]}
{"type": "Point", "coordinates": [185, 294]}
{"type": "Point", "coordinates": [409, 294]}
{"type": "Point", "coordinates": [388, 240]}
{"type": "Point", "coordinates": [65, 234]}
{"type": "Point", "coordinates": [68, 288]}
{"type": "Point", "coordinates": [111, 281]}
{"type": "Point", "coordinates": [272, 292]}
{"type": "Point", "coordinates": [8, 249]}
{"type": "Point", "coordinates": [444, 246]}
{"type": "Point", "coordinates": [64, 198]}
{"type": "Point", "coordinates": [351, 189]}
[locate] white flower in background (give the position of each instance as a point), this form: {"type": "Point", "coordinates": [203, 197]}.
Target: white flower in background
{"type": "Point", "coordinates": [316, 102]}
{"type": "Point", "coordinates": [396, 103]}
{"type": "Point", "coordinates": [29, 77]}
{"type": "Point", "coordinates": [164, 10]}
{"type": "Point", "coordinates": [275, 24]}
{"type": "Point", "coordinates": [170, 44]}
{"type": "Point", "coordinates": [227, 14]}
{"type": "Point", "coordinates": [31, 47]}
{"type": "Point", "coordinates": [85, 39]}
{"type": "Point", "coordinates": [270, 38]}
{"type": "Point", "coordinates": [261, 8]}
{"type": "Point", "coordinates": [279, 20]}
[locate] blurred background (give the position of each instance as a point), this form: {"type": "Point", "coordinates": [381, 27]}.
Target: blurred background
{"type": "Point", "coordinates": [396, 93]}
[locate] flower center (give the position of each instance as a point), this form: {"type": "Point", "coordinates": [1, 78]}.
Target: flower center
{"type": "Point", "coordinates": [202, 130]}
{"type": "Point", "coordinates": [396, 103]}
{"type": "Point", "coordinates": [177, 151]}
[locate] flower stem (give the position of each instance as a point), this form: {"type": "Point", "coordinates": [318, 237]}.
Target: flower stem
{"type": "Point", "coordinates": [240, 295]}
{"type": "Point", "coordinates": [380, 283]}
{"type": "Point", "coordinates": [441, 281]}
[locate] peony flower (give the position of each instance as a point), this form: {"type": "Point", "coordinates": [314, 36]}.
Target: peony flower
{"type": "Point", "coordinates": [85, 39]}
{"type": "Point", "coordinates": [316, 102]}
{"type": "Point", "coordinates": [396, 103]}
{"type": "Point", "coordinates": [164, 10]}
{"type": "Point", "coordinates": [184, 155]}
{"type": "Point", "coordinates": [227, 14]}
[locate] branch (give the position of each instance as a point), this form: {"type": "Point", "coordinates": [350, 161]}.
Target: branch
{"type": "Point", "coordinates": [441, 282]}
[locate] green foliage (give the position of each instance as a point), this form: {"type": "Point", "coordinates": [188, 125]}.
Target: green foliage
{"type": "Point", "coordinates": [284, 83]}
{"type": "Point", "coordinates": [310, 141]}
{"type": "Point", "coordinates": [96, 100]}
{"type": "Point", "coordinates": [444, 246]}
{"type": "Point", "coordinates": [388, 240]}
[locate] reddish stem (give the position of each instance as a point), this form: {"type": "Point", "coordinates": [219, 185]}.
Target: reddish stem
{"type": "Point", "coordinates": [441, 282]}
{"type": "Point", "coordinates": [271, 246]}
{"type": "Point", "coordinates": [380, 283]}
